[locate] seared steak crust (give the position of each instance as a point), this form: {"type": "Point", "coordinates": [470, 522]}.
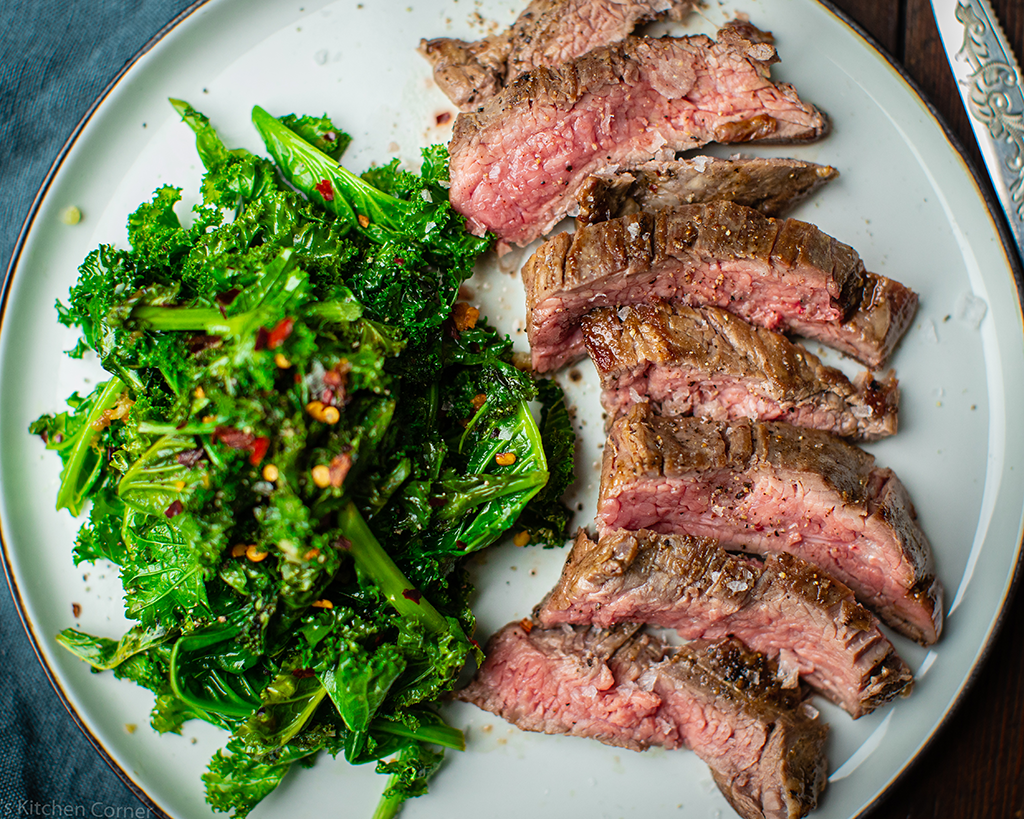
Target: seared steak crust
{"type": "Point", "coordinates": [765, 750]}
{"type": "Point", "coordinates": [785, 608]}
{"type": "Point", "coordinates": [517, 163]}
{"type": "Point", "coordinates": [709, 363]}
{"type": "Point", "coordinates": [771, 185]}
{"type": "Point", "coordinates": [780, 274]}
{"type": "Point", "coordinates": [880, 313]}
{"type": "Point", "coordinates": [770, 487]}
{"type": "Point", "coordinates": [548, 33]}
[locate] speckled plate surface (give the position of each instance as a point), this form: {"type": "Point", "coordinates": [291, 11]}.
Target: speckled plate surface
{"type": "Point", "coordinates": [905, 200]}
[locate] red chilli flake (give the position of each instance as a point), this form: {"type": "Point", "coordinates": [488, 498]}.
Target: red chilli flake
{"type": "Point", "coordinates": [412, 594]}
{"type": "Point", "coordinates": [323, 187]}
{"type": "Point", "coordinates": [302, 673]}
{"type": "Point", "coordinates": [259, 449]}
{"type": "Point", "coordinates": [175, 508]}
{"type": "Point", "coordinates": [281, 331]}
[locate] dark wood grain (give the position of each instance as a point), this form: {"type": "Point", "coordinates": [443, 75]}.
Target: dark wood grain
{"type": "Point", "coordinates": [974, 768]}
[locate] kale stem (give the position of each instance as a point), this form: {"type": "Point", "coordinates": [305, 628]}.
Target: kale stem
{"type": "Point", "coordinates": [75, 478]}
{"type": "Point", "coordinates": [193, 319]}
{"type": "Point", "coordinates": [150, 428]}
{"type": "Point", "coordinates": [388, 807]}
{"type": "Point", "coordinates": [443, 735]}
{"type": "Point", "coordinates": [371, 558]}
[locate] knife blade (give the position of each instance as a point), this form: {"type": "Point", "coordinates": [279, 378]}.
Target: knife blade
{"type": "Point", "coordinates": [988, 77]}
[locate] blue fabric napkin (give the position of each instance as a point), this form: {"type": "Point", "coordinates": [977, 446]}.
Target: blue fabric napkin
{"type": "Point", "coordinates": [56, 58]}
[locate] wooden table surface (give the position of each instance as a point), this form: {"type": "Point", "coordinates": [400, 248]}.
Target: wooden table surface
{"type": "Point", "coordinates": [975, 766]}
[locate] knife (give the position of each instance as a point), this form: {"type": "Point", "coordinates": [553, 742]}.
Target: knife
{"type": "Point", "coordinates": [988, 77]}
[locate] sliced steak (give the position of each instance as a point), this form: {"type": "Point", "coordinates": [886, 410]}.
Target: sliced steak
{"type": "Point", "coordinates": [880, 314]}
{"type": "Point", "coordinates": [709, 363]}
{"type": "Point", "coordinates": [770, 487]}
{"type": "Point", "coordinates": [785, 608]}
{"type": "Point", "coordinates": [770, 185]}
{"type": "Point", "coordinates": [765, 749]}
{"type": "Point", "coordinates": [517, 164]}
{"type": "Point", "coordinates": [781, 274]}
{"type": "Point", "coordinates": [548, 33]}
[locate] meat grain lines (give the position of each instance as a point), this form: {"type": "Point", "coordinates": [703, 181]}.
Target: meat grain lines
{"type": "Point", "coordinates": [711, 364]}
{"type": "Point", "coordinates": [783, 275]}
{"type": "Point", "coordinates": [695, 587]}
{"type": "Point", "coordinates": [734, 506]}
{"type": "Point", "coordinates": [548, 33]}
{"type": "Point", "coordinates": [772, 185]}
{"type": "Point", "coordinates": [518, 162]}
{"type": "Point", "coordinates": [626, 688]}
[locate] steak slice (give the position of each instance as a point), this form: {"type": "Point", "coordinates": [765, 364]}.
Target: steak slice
{"type": "Point", "coordinates": [784, 608]}
{"type": "Point", "coordinates": [873, 327]}
{"type": "Point", "coordinates": [548, 33]}
{"type": "Point", "coordinates": [770, 185]}
{"type": "Point", "coordinates": [709, 363]}
{"type": "Point", "coordinates": [765, 749]}
{"type": "Point", "coordinates": [769, 487]}
{"type": "Point", "coordinates": [781, 274]}
{"type": "Point", "coordinates": [517, 163]}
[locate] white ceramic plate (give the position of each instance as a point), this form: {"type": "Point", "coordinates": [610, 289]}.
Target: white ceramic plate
{"type": "Point", "coordinates": [905, 200]}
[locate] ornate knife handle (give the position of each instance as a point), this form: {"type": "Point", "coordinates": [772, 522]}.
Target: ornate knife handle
{"type": "Point", "coordinates": [997, 100]}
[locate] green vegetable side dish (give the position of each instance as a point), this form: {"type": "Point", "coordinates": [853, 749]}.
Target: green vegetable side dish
{"type": "Point", "coordinates": [302, 438]}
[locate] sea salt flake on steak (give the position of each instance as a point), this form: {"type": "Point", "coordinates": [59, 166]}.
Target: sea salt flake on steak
{"type": "Point", "coordinates": [548, 33]}
{"type": "Point", "coordinates": [772, 185]}
{"type": "Point", "coordinates": [709, 363]}
{"type": "Point", "coordinates": [517, 163]}
{"type": "Point", "coordinates": [784, 608]}
{"type": "Point", "coordinates": [770, 487]}
{"type": "Point", "coordinates": [781, 274]}
{"type": "Point", "coordinates": [765, 749]}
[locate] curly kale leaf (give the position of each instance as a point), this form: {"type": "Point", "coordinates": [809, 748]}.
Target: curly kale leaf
{"type": "Point", "coordinates": [236, 781]}
{"type": "Point", "coordinates": [319, 132]}
{"type": "Point", "coordinates": [409, 775]}
{"type": "Point", "coordinates": [162, 579]}
{"type": "Point", "coordinates": [422, 250]}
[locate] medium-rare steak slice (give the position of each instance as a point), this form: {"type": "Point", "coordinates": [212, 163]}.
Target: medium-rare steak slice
{"type": "Point", "coordinates": [873, 327]}
{"type": "Point", "coordinates": [781, 274]}
{"type": "Point", "coordinates": [785, 608]}
{"type": "Point", "coordinates": [770, 487]}
{"type": "Point", "coordinates": [765, 749]}
{"type": "Point", "coordinates": [771, 185]}
{"type": "Point", "coordinates": [517, 164]}
{"type": "Point", "coordinates": [709, 363]}
{"type": "Point", "coordinates": [548, 32]}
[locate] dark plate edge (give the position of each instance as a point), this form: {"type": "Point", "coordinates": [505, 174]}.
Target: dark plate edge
{"type": "Point", "coordinates": [995, 211]}
{"type": "Point", "coordinates": [8, 278]}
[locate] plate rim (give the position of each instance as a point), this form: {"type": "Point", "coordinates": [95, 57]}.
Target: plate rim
{"type": "Point", "coordinates": [979, 179]}
{"type": "Point", "coordinates": [983, 184]}
{"type": "Point", "coordinates": [5, 290]}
